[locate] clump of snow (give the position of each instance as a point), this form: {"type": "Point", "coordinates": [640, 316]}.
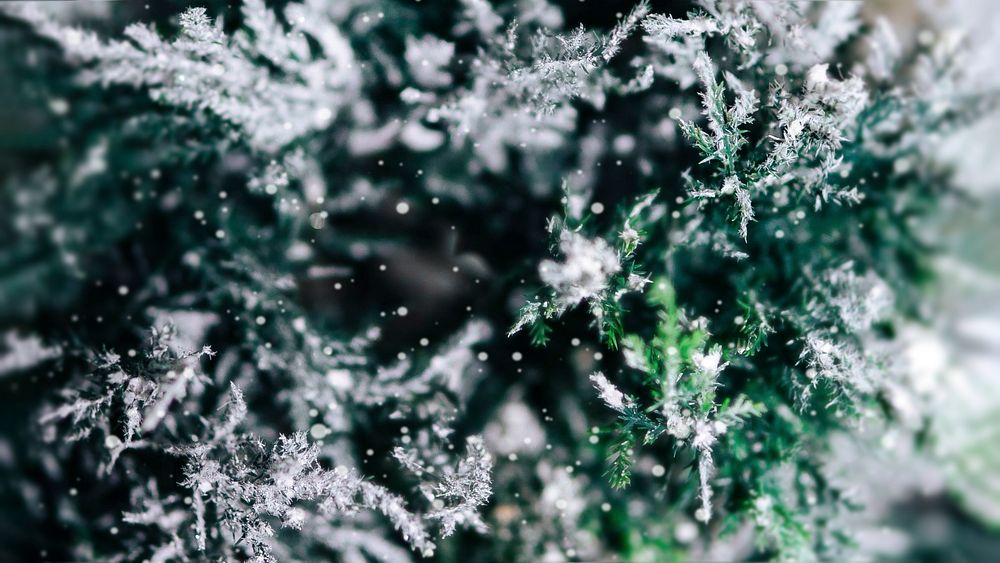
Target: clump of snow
{"type": "Point", "coordinates": [584, 274]}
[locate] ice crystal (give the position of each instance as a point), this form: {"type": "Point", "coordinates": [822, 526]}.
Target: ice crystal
{"type": "Point", "coordinates": [204, 69]}
{"type": "Point", "coordinates": [144, 398]}
{"type": "Point", "coordinates": [609, 393]}
{"type": "Point", "coordinates": [585, 273]}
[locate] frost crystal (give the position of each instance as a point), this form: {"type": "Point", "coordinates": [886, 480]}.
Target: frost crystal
{"type": "Point", "coordinates": [427, 58]}
{"type": "Point", "coordinates": [23, 352]}
{"type": "Point", "coordinates": [609, 393]}
{"type": "Point", "coordinates": [145, 397]}
{"type": "Point", "coordinates": [469, 485]}
{"type": "Point", "coordinates": [203, 69]}
{"type": "Point", "coordinates": [291, 475]}
{"type": "Point", "coordinates": [584, 274]}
